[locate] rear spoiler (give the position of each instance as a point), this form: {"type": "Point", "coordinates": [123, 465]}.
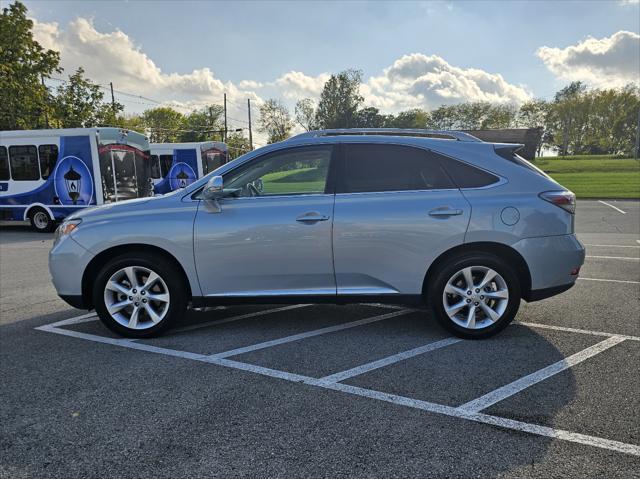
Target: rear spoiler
{"type": "Point", "coordinates": [507, 148]}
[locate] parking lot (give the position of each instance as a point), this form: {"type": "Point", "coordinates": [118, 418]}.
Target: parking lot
{"type": "Point", "coordinates": [327, 391]}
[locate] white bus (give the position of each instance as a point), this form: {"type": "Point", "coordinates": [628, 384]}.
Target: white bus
{"type": "Point", "coordinates": [176, 165]}
{"type": "Point", "coordinates": [46, 175]}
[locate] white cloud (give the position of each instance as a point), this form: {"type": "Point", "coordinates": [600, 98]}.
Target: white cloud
{"type": "Point", "coordinates": [414, 80]}
{"type": "Point", "coordinates": [607, 62]}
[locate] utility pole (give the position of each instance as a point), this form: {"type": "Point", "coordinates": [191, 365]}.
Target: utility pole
{"type": "Point", "coordinates": [225, 118]}
{"type": "Point", "coordinates": [250, 136]}
{"type": "Point", "coordinates": [113, 102]}
{"type": "Point", "coordinates": [46, 114]}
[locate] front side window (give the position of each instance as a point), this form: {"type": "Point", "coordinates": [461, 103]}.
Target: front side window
{"type": "Point", "coordinates": [379, 167]}
{"type": "Point", "coordinates": [48, 157]}
{"type": "Point", "coordinates": [295, 171]}
{"type": "Point", "coordinates": [24, 163]}
{"type": "Point", "coordinates": [4, 165]}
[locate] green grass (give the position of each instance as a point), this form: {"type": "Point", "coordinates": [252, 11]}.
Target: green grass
{"type": "Point", "coordinates": [304, 180]}
{"type": "Point", "coordinates": [595, 176]}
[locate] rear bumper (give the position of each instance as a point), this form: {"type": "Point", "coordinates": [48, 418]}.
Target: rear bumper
{"type": "Point", "coordinates": [551, 260]}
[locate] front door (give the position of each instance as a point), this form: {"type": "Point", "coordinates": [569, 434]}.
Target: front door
{"type": "Point", "coordinates": [396, 211]}
{"type": "Point", "coordinates": [272, 236]}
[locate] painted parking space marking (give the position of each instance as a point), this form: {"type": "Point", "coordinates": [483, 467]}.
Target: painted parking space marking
{"type": "Point", "coordinates": [612, 245]}
{"type": "Point", "coordinates": [529, 380]}
{"type": "Point", "coordinates": [610, 280]}
{"type": "Point", "coordinates": [576, 330]}
{"type": "Point", "coordinates": [457, 412]}
{"type": "Point", "coordinates": [612, 206]}
{"type": "Point", "coordinates": [255, 314]}
{"type": "Point", "coordinates": [627, 258]}
{"type": "Point", "coordinates": [309, 334]}
{"type": "Point", "coordinates": [380, 363]}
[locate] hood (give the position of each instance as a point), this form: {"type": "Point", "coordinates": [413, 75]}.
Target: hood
{"type": "Point", "coordinates": [121, 207]}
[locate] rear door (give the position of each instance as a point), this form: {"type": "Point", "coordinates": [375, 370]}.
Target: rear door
{"type": "Point", "coordinates": [396, 210]}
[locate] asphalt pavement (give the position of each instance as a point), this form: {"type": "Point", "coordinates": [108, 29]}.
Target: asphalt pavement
{"type": "Point", "coordinates": [327, 391]}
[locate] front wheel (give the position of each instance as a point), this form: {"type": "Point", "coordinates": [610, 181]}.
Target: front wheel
{"type": "Point", "coordinates": [475, 296]}
{"type": "Point", "coordinates": [139, 296]}
{"type": "Point", "coordinates": [41, 221]}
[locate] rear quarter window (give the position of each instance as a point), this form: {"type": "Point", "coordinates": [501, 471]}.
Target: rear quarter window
{"type": "Point", "coordinates": [465, 175]}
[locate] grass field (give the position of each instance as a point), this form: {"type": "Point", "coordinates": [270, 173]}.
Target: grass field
{"type": "Point", "coordinates": [595, 176]}
{"type": "Point", "coordinates": [307, 180]}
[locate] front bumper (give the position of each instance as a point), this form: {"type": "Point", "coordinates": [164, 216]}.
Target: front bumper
{"type": "Point", "coordinates": [68, 261]}
{"type": "Point", "coordinates": [551, 260]}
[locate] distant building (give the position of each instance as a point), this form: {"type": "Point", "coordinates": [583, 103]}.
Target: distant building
{"type": "Point", "coordinates": [530, 137]}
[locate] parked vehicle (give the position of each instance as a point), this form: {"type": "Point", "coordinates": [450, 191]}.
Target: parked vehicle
{"type": "Point", "coordinates": [398, 216]}
{"type": "Point", "coordinates": [46, 175]}
{"type": "Point", "coordinates": [177, 165]}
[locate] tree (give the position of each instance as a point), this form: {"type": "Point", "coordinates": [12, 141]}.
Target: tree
{"type": "Point", "coordinates": [415, 118]}
{"type": "Point", "coordinates": [369, 117]}
{"type": "Point", "coordinates": [275, 121]}
{"type": "Point", "coordinates": [238, 144]}
{"type": "Point", "coordinates": [24, 65]}
{"type": "Point", "coordinates": [78, 104]}
{"type": "Point", "coordinates": [340, 100]}
{"type": "Point", "coordinates": [163, 124]}
{"type": "Point", "coordinates": [200, 125]}
{"type": "Point", "coordinates": [305, 114]}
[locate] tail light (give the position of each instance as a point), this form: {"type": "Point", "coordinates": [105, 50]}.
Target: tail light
{"type": "Point", "coordinates": [564, 199]}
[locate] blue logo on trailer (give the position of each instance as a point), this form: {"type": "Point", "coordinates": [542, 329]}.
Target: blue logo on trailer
{"type": "Point", "coordinates": [181, 175]}
{"type": "Point", "coordinates": [73, 181]}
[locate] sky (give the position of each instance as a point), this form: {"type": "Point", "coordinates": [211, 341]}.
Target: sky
{"type": "Point", "coordinates": [411, 54]}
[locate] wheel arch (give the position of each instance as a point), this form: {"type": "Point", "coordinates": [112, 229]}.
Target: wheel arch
{"type": "Point", "coordinates": [28, 209]}
{"type": "Point", "coordinates": [501, 250]}
{"type": "Point", "coordinates": [98, 261]}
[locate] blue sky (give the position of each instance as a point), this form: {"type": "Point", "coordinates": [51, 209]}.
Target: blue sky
{"type": "Point", "coordinates": [462, 47]}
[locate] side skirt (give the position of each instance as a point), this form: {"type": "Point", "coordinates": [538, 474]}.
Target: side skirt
{"type": "Point", "coordinates": [400, 299]}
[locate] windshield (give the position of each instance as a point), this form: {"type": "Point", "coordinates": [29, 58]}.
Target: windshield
{"type": "Point", "coordinates": [125, 171]}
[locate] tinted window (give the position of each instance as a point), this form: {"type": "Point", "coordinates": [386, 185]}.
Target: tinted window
{"type": "Point", "coordinates": [467, 176]}
{"type": "Point", "coordinates": [48, 157]}
{"type": "Point", "coordinates": [377, 167]}
{"type": "Point", "coordinates": [24, 163]}
{"type": "Point", "coordinates": [211, 159]}
{"type": "Point", "coordinates": [4, 164]}
{"type": "Point", "coordinates": [155, 167]}
{"type": "Point", "coordinates": [165, 164]}
{"type": "Point", "coordinates": [290, 172]}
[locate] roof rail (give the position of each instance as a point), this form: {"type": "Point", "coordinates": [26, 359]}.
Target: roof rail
{"type": "Point", "coordinates": [441, 134]}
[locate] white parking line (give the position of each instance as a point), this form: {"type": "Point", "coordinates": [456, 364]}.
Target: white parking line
{"type": "Point", "coordinates": [529, 380]}
{"type": "Point", "coordinates": [580, 331]}
{"type": "Point", "coordinates": [308, 334]}
{"type": "Point", "coordinates": [610, 280]}
{"type": "Point", "coordinates": [613, 245]}
{"type": "Point", "coordinates": [505, 423]}
{"type": "Point", "coordinates": [380, 363]}
{"type": "Point", "coordinates": [614, 207]}
{"type": "Point", "coordinates": [216, 322]}
{"type": "Point", "coordinates": [627, 258]}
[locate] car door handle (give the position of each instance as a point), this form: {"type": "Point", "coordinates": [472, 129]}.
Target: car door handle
{"type": "Point", "coordinates": [444, 211]}
{"type": "Point", "coordinates": [311, 217]}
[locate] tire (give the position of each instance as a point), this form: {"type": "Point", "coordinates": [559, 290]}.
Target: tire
{"type": "Point", "coordinates": [493, 312]}
{"type": "Point", "coordinates": [168, 288]}
{"type": "Point", "coordinates": [41, 221]}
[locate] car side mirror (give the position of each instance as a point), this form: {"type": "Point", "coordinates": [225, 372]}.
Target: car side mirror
{"type": "Point", "coordinates": [214, 188]}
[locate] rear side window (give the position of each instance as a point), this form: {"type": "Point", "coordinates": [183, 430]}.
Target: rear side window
{"type": "Point", "coordinates": [48, 157]}
{"type": "Point", "coordinates": [376, 167]}
{"type": "Point", "coordinates": [4, 165]}
{"type": "Point", "coordinates": [24, 163]}
{"type": "Point", "coordinates": [510, 155]}
{"type": "Point", "coordinates": [467, 176]}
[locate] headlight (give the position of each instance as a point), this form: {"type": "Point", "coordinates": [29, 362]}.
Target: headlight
{"type": "Point", "coordinates": [66, 228]}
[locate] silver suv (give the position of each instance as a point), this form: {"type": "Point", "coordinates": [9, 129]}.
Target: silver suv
{"type": "Point", "coordinates": [339, 216]}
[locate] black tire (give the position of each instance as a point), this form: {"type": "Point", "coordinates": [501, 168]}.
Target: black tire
{"type": "Point", "coordinates": [40, 220]}
{"type": "Point", "coordinates": [169, 273]}
{"type": "Point", "coordinates": [439, 281]}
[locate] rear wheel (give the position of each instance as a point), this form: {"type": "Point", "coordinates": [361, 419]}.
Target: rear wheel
{"type": "Point", "coordinates": [40, 220]}
{"type": "Point", "coordinates": [140, 295]}
{"type": "Point", "coordinates": [475, 296]}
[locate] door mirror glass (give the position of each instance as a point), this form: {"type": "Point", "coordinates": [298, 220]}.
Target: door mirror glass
{"type": "Point", "coordinates": [213, 189]}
